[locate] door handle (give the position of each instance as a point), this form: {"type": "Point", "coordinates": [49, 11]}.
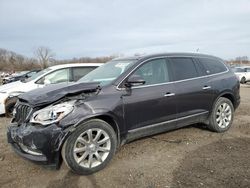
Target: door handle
{"type": "Point", "coordinates": [169, 94]}
{"type": "Point", "coordinates": [206, 87]}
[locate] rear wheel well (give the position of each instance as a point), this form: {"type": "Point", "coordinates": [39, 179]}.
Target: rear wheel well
{"type": "Point", "coordinates": [230, 97]}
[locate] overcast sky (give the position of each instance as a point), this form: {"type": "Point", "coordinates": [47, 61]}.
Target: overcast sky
{"type": "Point", "coordinates": [92, 28]}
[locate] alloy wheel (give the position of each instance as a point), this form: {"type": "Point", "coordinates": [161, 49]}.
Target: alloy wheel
{"type": "Point", "coordinates": [92, 147]}
{"type": "Point", "coordinates": [223, 115]}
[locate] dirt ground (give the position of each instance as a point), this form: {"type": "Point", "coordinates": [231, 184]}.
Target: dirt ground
{"type": "Point", "coordinates": [188, 157]}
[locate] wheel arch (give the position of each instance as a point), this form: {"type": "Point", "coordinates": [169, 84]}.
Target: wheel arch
{"type": "Point", "coordinates": [229, 95]}
{"type": "Point", "coordinates": [112, 122]}
{"type": "Point", "coordinates": [104, 117]}
{"type": "Point", "coordinates": [108, 118]}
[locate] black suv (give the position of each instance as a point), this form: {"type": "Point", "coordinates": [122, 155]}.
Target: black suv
{"type": "Point", "coordinates": [125, 99]}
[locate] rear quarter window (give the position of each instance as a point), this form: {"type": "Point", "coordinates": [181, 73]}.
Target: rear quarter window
{"type": "Point", "coordinates": [212, 66]}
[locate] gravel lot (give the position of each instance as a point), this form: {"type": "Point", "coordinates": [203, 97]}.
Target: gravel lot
{"type": "Point", "coordinates": [188, 157]}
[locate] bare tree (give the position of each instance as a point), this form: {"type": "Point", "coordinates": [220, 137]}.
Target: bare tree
{"type": "Point", "coordinates": [44, 55]}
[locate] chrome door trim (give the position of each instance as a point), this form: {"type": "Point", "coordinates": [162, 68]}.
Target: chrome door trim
{"type": "Point", "coordinates": [160, 57]}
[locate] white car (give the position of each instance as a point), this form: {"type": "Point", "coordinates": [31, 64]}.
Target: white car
{"type": "Point", "coordinates": [52, 75]}
{"type": "Point", "coordinates": [243, 73]}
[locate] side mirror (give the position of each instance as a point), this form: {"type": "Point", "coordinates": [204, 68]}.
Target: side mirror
{"type": "Point", "coordinates": [135, 80]}
{"type": "Point", "coordinates": [47, 82]}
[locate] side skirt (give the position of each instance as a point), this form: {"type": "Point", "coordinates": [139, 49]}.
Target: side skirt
{"type": "Point", "coordinates": [165, 126]}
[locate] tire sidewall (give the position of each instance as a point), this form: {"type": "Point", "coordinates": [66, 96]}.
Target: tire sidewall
{"type": "Point", "coordinates": [243, 80]}
{"type": "Point", "coordinates": [68, 147]}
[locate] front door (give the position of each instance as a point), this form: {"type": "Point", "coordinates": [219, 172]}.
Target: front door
{"type": "Point", "coordinates": [154, 102]}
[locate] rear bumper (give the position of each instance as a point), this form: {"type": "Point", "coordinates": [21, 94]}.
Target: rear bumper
{"type": "Point", "coordinates": [237, 103]}
{"type": "Point", "coordinates": [40, 145]}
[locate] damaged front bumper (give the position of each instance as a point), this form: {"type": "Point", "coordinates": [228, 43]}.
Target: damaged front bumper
{"type": "Point", "coordinates": [37, 143]}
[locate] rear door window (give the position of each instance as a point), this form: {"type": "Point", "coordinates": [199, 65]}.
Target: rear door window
{"type": "Point", "coordinates": [79, 72]}
{"type": "Point", "coordinates": [183, 68]}
{"type": "Point", "coordinates": [212, 66]}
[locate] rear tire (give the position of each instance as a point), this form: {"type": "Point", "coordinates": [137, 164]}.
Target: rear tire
{"type": "Point", "coordinates": [243, 80]}
{"type": "Point", "coordinates": [90, 147]}
{"type": "Point", "coordinates": [9, 106]}
{"type": "Point", "coordinates": [221, 118]}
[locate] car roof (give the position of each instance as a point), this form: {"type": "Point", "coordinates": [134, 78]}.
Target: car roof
{"type": "Point", "coordinates": [181, 54]}
{"type": "Point", "coordinates": [75, 65]}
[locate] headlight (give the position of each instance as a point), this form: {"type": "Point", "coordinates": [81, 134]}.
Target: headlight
{"type": "Point", "coordinates": [52, 114]}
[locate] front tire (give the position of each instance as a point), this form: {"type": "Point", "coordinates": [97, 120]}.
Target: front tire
{"type": "Point", "coordinates": [9, 106]}
{"type": "Point", "coordinates": [221, 118]}
{"type": "Point", "coordinates": [90, 147]}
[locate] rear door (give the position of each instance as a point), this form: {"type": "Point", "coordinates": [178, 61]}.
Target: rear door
{"type": "Point", "coordinates": [194, 94]}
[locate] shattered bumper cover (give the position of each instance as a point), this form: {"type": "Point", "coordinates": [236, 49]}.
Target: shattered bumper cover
{"type": "Point", "coordinates": [37, 143]}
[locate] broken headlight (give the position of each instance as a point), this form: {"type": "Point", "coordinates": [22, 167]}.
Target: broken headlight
{"type": "Point", "coordinates": [52, 114]}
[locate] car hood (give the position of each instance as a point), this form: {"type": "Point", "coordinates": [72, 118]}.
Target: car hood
{"type": "Point", "coordinates": [11, 86]}
{"type": "Point", "coordinates": [54, 92]}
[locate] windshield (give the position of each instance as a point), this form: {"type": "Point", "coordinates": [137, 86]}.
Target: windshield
{"type": "Point", "coordinates": [36, 75]}
{"type": "Point", "coordinates": [108, 72]}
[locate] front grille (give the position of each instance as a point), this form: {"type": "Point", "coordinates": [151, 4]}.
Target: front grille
{"type": "Point", "coordinates": [22, 113]}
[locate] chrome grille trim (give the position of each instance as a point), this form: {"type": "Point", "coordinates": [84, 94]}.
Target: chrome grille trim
{"type": "Point", "coordinates": [23, 112]}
